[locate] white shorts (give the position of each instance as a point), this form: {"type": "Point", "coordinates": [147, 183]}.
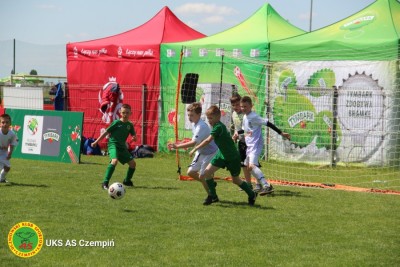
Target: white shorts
{"type": "Point", "coordinates": [200, 162]}
{"type": "Point", "coordinates": [252, 159]}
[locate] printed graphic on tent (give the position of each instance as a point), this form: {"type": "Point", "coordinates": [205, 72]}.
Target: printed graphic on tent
{"type": "Point", "coordinates": [362, 50]}
{"type": "Point", "coordinates": [296, 114]}
{"type": "Point", "coordinates": [361, 108]}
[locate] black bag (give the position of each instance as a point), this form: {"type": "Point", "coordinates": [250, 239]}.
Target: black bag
{"type": "Point", "coordinates": [143, 151]}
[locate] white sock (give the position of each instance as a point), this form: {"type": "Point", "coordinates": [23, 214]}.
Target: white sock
{"type": "Point", "coordinates": [2, 175]}
{"type": "Point", "coordinates": [256, 172]}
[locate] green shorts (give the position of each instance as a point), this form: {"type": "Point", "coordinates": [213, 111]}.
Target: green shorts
{"type": "Point", "coordinates": [232, 165]}
{"type": "Point", "coordinates": [122, 154]}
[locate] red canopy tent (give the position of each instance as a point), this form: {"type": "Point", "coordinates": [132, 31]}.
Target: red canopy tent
{"type": "Point", "coordinates": [132, 59]}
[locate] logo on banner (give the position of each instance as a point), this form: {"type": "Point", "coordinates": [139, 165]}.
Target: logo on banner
{"type": "Point", "coordinates": [25, 239]}
{"type": "Point", "coordinates": [32, 126]}
{"type": "Point", "coordinates": [51, 136]}
{"type": "Point", "coordinates": [358, 22]}
{"type": "Point", "coordinates": [119, 52]}
{"type": "Point", "coordinates": [354, 27]}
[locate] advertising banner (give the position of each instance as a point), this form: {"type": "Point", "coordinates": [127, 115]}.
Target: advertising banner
{"type": "Point", "coordinates": [47, 135]}
{"type": "Point", "coordinates": [302, 99]}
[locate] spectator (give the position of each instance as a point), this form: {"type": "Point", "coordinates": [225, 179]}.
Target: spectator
{"type": "Point", "coordinates": [58, 92]}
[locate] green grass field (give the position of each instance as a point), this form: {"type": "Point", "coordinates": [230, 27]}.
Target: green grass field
{"type": "Point", "coordinates": [162, 222]}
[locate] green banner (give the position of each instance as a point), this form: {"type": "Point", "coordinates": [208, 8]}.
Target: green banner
{"type": "Point", "coordinates": [47, 135]}
{"type": "Point", "coordinates": [216, 82]}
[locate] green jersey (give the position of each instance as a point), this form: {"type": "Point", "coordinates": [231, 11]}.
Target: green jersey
{"type": "Point", "coordinates": [119, 132]}
{"type": "Point", "coordinates": [224, 141]}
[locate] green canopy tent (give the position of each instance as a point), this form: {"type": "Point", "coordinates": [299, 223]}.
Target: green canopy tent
{"type": "Point", "coordinates": [234, 59]}
{"type": "Point", "coordinates": [359, 56]}
{"type": "Point", "coordinates": [371, 34]}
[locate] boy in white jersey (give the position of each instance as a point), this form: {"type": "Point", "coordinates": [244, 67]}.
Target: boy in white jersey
{"type": "Point", "coordinates": [238, 136]}
{"type": "Point", "coordinates": [8, 140]}
{"type": "Point", "coordinates": [200, 131]}
{"type": "Point", "coordinates": [252, 123]}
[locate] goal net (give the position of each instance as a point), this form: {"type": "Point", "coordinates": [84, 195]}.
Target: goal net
{"type": "Point", "coordinates": [343, 116]}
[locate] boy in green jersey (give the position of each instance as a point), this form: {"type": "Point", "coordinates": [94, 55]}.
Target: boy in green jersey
{"type": "Point", "coordinates": [226, 157]}
{"type": "Point", "coordinates": [118, 132]}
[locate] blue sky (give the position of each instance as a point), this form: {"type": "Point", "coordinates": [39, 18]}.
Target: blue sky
{"type": "Point", "coordinates": [53, 23]}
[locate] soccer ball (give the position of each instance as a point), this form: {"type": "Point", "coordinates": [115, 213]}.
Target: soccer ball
{"type": "Point", "coordinates": [116, 191]}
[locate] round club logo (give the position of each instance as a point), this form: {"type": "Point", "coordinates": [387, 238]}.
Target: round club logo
{"type": "Point", "coordinates": [25, 239]}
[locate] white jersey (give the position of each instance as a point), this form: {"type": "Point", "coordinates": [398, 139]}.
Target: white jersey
{"type": "Point", "coordinates": [252, 123]}
{"type": "Point", "coordinates": [5, 141]}
{"type": "Point", "coordinates": [200, 132]}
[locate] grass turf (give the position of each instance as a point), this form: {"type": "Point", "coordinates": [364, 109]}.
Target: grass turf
{"type": "Point", "coordinates": [162, 222]}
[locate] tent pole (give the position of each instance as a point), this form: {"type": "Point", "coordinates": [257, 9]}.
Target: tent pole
{"type": "Point", "coordinates": [178, 88]}
{"type": "Point", "coordinates": [334, 126]}
{"type": "Point", "coordinates": [311, 6]}
{"type": "Point", "coordinates": [13, 70]}
{"type": "Point", "coordinates": [267, 107]}
{"type": "Point", "coordinates": [220, 84]}
{"type": "Point", "coordinates": [144, 92]}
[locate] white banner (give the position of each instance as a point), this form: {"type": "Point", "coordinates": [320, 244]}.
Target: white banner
{"type": "Point", "coordinates": [32, 135]}
{"type": "Point", "coordinates": [302, 103]}
{"type": "Point", "coordinates": [23, 97]}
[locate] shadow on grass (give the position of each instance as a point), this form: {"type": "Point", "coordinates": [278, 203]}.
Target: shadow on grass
{"type": "Point", "coordinates": [91, 163]}
{"type": "Point", "coordinates": [286, 193]}
{"type": "Point", "coordinates": [128, 211]}
{"type": "Point", "coordinates": [154, 187]}
{"type": "Point", "coordinates": [231, 204]}
{"type": "Point", "coordinates": [20, 184]}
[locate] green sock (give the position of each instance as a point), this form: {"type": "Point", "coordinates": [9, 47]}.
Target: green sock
{"type": "Point", "coordinates": [129, 174]}
{"type": "Point", "coordinates": [109, 173]}
{"type": "Point", "coordinates": [250, 185]}
{"type": "Point", "coordinates": [211, 187]}
{"type": "Point", "coordinates": [246, 188]}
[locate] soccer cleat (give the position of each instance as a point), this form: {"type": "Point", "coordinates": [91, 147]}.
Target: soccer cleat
{"type": "Point", "coordinates": [3, 181]}
{"type": "Point", "coordinates": [209, 200]}
{"type": "Point", "coordinates": [267, 190]}
{"type": "Point", "coordinates": [257, 188]}
{"type": "Point", "coordinates": [104, 186]}
{"type": "Point", "coordinates": [252, 200]}
{"type": "Point", "coordinates": [127, 183]}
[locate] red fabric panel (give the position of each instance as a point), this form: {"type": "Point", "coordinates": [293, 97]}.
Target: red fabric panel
{"type": "Point", "coordinates": [133, 58]}
{"type": "Point", "coordinates": [85, 88]}
{"type": "Point", "coordinates": [126, 72]}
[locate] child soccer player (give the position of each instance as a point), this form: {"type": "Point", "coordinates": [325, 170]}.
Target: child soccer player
{"type": "Point", "coordinates": [119, 131]}
{"type": "Point", "coordinates": [200, 131]}
{"type": "Point", "coordinates": [254, 141]}
{"type": "Point", "coordinates": [237, 119]}
{"type": "Point", "coordinates": [227, 156]}
{"type": "Point", "coordinates": [8, 140]}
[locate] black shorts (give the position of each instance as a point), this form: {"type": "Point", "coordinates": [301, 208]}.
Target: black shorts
{"type": "Point", "coordinates": [242, 147]}
{"type": "Point", "coordinates": [242, 152]}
